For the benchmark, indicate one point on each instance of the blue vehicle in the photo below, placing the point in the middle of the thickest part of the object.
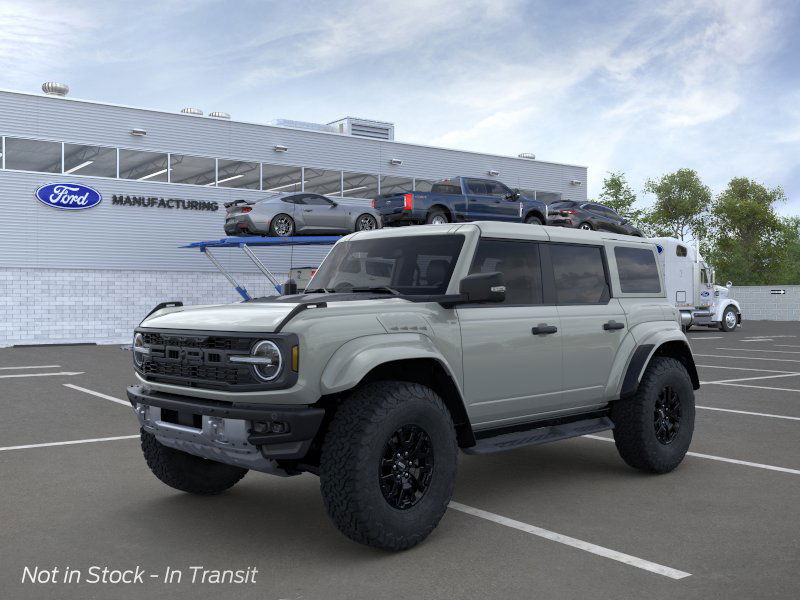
(460, 199)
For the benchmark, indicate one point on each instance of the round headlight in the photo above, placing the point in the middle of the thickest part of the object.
(138, 346)
(270, 366)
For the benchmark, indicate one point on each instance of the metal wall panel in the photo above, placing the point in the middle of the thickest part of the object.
(139, 238)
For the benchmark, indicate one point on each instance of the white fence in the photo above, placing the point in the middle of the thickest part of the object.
(768, 302)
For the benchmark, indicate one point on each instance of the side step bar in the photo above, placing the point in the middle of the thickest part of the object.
(539, 435)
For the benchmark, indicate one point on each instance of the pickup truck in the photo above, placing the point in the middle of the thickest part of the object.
(460, 199)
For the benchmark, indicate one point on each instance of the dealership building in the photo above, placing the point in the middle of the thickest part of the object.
(162, 179)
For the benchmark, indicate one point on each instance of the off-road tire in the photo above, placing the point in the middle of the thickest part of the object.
(533, 220)
(723, 325)
(351, 457)
(634, 427)
(187, 472)
(437, 214)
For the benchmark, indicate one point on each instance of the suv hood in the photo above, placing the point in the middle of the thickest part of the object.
(260, 317)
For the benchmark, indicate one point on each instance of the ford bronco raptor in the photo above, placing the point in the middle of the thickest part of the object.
(408, 345)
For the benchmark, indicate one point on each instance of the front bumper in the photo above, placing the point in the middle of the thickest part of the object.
(251, 436)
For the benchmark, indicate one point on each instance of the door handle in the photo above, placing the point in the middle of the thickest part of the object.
(611, 325)
(544, 329)
(308, 210)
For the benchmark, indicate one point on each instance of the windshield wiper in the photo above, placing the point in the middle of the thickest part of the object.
(381, 288)
(318, 291)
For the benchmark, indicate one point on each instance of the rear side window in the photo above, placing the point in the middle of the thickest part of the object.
(446, 186)
(519, 264)
(580, 276)
(638, 273)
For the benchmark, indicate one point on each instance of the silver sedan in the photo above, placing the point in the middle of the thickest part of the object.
(298, 213)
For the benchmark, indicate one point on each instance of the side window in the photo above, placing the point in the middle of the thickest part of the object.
(476, 186)
(294, 199)
(519, 264)
(316, 200)
(579, 274)
(680, 250)
(638, 273)
(495, 188)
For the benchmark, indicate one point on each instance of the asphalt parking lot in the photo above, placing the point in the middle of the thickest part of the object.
(565, 520)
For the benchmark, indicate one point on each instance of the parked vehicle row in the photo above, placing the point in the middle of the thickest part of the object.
(451, 200)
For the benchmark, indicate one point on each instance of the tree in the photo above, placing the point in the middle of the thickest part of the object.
(617, 194)
(681, 205)
(751, 243)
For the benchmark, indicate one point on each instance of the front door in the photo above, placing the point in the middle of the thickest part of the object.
(511, 351)
(322, 214)
(592, 323)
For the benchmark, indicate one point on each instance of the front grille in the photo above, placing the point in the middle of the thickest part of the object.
(201, 359)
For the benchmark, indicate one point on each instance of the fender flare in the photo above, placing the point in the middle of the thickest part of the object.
(662, 342)
(355, 359)
(723, 305)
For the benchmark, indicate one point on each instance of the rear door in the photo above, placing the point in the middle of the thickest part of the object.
(593, 323)
(511, 351)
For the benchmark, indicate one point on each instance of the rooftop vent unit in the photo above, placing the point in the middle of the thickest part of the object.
(51, 88)
(302, 125)
(219, 115)
(376, 130)
(527, 155)
(192, 111)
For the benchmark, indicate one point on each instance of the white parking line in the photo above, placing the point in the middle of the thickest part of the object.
(31, 367)
(761, 387)
(788, 345)
(749, 350)
(749, 357)
(748, 378)
(570, 541)
(70, 442)
(719, 458)
(98, 394)
(741, 368)
(41, 374)
(747, 412)
(759, 340)
(713, 337)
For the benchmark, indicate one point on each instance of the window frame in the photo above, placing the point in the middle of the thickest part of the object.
(551, 275)
(540, 244)
(660, 292)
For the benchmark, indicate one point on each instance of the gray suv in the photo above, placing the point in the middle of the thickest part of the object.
(408, 345)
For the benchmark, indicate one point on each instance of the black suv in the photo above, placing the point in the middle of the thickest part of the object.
(589, 215)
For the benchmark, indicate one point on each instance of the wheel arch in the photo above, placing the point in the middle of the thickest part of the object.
(723, 306)
(644, 353)
(404, 357)
(444, 208)
(535, 212)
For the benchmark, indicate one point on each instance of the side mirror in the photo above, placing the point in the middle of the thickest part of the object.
(483, 287)
(334, 204)
(729, 285)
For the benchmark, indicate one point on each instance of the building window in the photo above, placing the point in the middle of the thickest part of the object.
(359, 185)
(396, 185)
(97, 161)
(33, 155)
(279, 178)
(423, 185)
(546, 197)
(321, 181)
(194, 170)
(238, 174)
(144, 166)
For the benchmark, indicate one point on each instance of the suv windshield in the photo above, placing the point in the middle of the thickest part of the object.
(410, 265)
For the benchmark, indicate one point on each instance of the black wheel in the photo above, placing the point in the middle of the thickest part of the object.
(366, 222)
(653, 430)
(729, 320)
(388, 464)
(436, 216)
(586, 226)
(187, 472)
(281, 226)
(533, 220)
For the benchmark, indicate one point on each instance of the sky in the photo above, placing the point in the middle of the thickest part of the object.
(639, 87)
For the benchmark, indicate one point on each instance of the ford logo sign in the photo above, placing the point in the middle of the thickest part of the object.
(705, 294)
(68, 196)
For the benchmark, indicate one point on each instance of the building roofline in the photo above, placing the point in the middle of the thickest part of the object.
(339, 135)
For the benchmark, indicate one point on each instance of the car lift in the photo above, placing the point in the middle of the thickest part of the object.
(246, 242)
